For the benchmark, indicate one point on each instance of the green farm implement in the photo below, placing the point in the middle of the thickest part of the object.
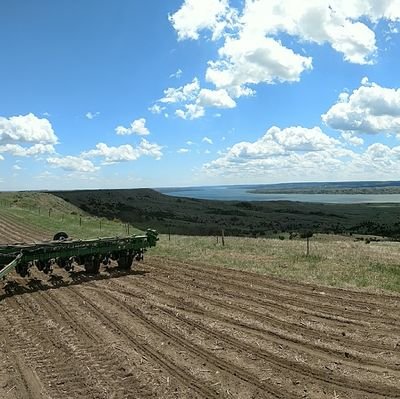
(67, 253)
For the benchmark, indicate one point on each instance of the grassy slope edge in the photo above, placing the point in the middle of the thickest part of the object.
(51, 214)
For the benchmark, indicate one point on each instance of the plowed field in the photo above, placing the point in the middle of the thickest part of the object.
(174, 330)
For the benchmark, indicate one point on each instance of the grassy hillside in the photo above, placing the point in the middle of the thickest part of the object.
(50, 214)
(148, 208)
(36, 201)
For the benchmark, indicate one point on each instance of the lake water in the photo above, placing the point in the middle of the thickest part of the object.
(238, 193)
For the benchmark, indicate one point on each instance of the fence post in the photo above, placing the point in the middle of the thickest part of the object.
(80, 221)
(223, 237)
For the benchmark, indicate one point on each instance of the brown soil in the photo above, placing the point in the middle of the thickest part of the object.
(169, 329)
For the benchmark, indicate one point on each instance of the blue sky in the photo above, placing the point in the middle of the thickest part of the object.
(101, 94)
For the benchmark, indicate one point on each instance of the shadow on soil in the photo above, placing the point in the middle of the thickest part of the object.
(12, 288)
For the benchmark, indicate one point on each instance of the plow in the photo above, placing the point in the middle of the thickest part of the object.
(66, 253)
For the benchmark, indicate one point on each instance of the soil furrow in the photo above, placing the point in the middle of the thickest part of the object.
(364, 300)
(37, 351)
(277, 335)
(263, 313)
(174, 370)
(196, 350)
(286, 366)
(284, 300)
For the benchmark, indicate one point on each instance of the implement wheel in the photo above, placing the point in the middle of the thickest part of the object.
(60, 236)
(92, 264)
(125, 260)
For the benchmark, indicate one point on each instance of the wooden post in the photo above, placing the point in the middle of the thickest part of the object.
(169, 233)
(223, 237)
(80, 221)
(308, 246)
(49, 212)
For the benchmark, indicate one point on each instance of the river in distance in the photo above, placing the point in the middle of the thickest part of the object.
(240, 193)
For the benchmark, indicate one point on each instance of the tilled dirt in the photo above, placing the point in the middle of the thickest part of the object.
(169, 329)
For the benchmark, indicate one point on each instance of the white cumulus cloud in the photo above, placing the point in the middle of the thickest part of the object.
(368, 109)
(20, 151)
(156, 109)
(183, 151)
(24, 129)
(124, 152)
(138, 127)
(215, 98)
(252, 51)
(195, 15)
(191, 111)
(184, 93)
(254, 60)
(70, 163)
(291, 152)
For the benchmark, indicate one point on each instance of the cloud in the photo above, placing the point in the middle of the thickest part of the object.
(156, 109)
(288, 151)
(1, 158)
(369, 109)
(351, 139)
(192, 100)
(252, 51)
(189, 142)
(195, 16)
(254, 60)
(17, 167)
(302, 154)
(74, 164)
(184, 93)
(124, 152)
(25, 129)
(183, 151)
(20, 151)
(177, 74)
(207, 140)
(92, 115)
(215, 98)
(137, 127)
(192, 111)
